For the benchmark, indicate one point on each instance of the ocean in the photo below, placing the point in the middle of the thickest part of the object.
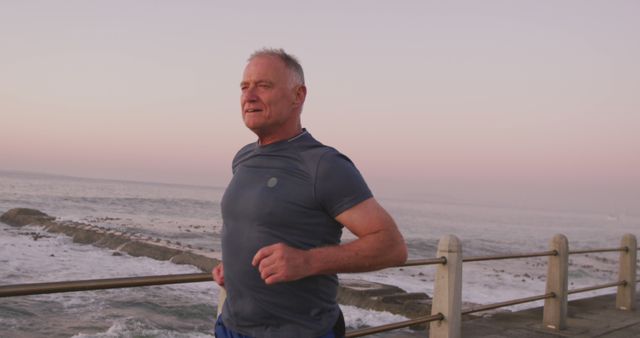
(191, 215)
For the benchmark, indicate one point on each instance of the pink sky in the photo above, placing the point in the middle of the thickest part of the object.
(418, 94)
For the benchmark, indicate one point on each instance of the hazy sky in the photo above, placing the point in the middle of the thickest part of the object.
(418, 93)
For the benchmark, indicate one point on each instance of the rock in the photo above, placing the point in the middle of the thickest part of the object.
(24, 216)
(87, 236)
(383, 297)
(204, 263)
(111, 241)
(151, 250)
(67, 229)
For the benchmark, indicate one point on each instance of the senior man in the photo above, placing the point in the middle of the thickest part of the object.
(283, 214)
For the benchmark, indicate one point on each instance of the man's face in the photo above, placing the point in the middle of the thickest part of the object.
(268, 99)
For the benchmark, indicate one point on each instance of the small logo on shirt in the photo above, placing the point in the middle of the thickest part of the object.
(272, 182)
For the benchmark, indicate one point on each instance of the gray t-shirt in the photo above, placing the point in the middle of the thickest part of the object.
(288, 192)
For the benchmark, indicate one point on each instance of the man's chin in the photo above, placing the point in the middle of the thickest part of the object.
(252, 123)
(256, 128)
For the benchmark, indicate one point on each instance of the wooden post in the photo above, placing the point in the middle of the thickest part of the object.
(222, 296)
(555, 309)
(626, 297)
(447, 293)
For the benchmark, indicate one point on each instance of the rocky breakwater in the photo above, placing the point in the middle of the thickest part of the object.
(360, 293)
(122, 242)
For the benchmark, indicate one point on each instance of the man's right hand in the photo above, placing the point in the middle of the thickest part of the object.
(218, 274)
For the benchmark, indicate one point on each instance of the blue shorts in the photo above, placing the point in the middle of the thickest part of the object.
(222, 331)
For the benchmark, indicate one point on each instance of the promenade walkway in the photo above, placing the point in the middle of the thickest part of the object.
(592, 317)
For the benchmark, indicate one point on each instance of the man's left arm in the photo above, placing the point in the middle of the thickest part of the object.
(379, 245)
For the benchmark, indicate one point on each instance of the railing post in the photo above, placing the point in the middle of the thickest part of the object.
(222, 296)
(626, 297)
(447, 293)
(555, 309)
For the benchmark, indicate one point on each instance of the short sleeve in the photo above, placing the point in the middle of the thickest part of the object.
(339, 185)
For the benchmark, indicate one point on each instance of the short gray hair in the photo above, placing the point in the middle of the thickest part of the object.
(290, 61)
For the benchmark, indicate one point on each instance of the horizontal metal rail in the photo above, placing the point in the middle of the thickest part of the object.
(573, 252)
(394, 326)
(597, 287)
(442, 260)
(100, 284)
(428, 261)
(508, 303)
(497, 257)
(113, 283)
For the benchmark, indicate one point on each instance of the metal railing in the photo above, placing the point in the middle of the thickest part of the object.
(597, 287)
(555, 312)
(508, 303)
(513, 256)
(429, 261)
(100, 284)
(446, 304)
(394, 326)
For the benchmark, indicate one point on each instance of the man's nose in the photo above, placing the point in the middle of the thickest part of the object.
(249, 94)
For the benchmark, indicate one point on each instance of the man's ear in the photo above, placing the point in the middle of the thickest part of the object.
(301, 94)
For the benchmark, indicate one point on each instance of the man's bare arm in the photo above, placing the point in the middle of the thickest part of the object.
(379, 245)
